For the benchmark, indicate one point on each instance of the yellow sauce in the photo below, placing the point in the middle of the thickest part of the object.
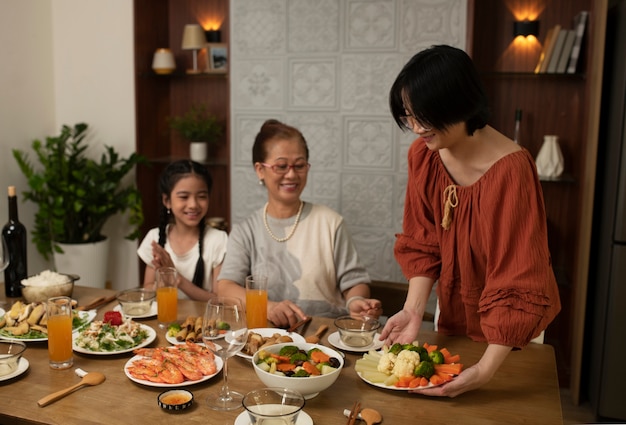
(174, 399)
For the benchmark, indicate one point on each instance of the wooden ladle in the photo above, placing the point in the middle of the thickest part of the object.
(92, 378)
(315, 338)
(371, 416)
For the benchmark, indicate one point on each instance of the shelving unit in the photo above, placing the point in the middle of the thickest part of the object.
(160, 23)
(563, 104)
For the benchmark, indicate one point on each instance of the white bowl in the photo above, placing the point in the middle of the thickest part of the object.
(41, 291)
(310, 386)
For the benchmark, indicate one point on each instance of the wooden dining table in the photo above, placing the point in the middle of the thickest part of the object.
(524, 390)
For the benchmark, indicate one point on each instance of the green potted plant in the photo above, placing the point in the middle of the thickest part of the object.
(76, 195)
(200, 128)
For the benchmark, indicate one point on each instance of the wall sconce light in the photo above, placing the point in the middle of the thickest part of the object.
(525, 28)
(213, 36)
(193, 39)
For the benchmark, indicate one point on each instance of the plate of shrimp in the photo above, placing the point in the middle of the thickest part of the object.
(173, 366)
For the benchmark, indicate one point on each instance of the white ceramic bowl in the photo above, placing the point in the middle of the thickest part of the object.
(41, 293)
(357, 332)
(309, 387)
(10, 354)
(136, 301)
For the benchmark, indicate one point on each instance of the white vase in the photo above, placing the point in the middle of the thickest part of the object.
(89, 261)
(198, 151)
(550, 158)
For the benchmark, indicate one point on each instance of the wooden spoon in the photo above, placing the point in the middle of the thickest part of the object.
(315, 338)
(371, 416)
(92, 378)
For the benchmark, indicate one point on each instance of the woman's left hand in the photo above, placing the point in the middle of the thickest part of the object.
(366, 307)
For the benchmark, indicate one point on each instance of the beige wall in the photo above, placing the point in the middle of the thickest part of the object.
(67, 61)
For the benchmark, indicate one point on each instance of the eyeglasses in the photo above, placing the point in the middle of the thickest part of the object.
(300, 167)
(409, 121)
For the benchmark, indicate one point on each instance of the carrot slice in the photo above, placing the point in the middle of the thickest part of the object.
(423, 382)
(431, 348)
(310, 368)
(450, 369)
(436, 380)
(319, 356)
(404, 381)
(281, 359)
(445, 377)
(283, 367)
(453, 359)
(415, 382)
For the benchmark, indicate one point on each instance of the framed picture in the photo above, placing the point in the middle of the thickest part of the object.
(217, 57)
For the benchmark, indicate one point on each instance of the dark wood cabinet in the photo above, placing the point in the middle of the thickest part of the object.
(160, 23)
(566, 105)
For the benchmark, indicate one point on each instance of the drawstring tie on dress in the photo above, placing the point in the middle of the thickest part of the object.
(450, 202)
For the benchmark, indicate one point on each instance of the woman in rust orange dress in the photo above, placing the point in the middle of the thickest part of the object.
(474, 219)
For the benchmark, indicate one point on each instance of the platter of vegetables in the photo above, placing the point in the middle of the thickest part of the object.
(408, 366)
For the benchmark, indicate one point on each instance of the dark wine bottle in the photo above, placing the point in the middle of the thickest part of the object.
(14, 234)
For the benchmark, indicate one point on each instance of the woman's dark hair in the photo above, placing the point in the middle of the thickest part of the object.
(272, 130)
(441, 87)
(168, 179)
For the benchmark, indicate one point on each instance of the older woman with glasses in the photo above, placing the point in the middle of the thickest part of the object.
(474, 219)
(304, 249)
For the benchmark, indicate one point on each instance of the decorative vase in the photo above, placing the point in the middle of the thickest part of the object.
(550, 158)
(198, 151)
(89, 261)
(163, 61)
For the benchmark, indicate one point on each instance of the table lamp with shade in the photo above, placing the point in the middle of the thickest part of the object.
(193, 39)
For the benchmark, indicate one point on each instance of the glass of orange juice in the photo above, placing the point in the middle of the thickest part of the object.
(256, 301)
(59, 313)
(167, 296)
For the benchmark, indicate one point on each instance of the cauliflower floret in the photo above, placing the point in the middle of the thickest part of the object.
(386, 362)
(405, 363)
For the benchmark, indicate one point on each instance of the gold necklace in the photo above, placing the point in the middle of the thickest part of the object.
(293, 228)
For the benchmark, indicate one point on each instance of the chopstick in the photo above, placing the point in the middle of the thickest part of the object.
(300, 323)
(97, 303)
(354, 413)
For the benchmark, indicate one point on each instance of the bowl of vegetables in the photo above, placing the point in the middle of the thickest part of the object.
(303, 367)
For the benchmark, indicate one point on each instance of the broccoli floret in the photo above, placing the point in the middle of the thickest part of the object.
(410, 347)
(301, 373)
(223, 326)
(298, 358)
(425, 369)
(423, 353)
(436, 356)
(288, 350)
(396, 348)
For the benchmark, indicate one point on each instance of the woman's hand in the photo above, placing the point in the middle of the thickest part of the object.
(160, 257)
(402, 327)
(365, 307)
(284, 314)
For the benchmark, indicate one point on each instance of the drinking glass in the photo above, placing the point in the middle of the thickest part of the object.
(59, 313)
(225, 332)
(276, 406)
(256, 301)
(167, 296)
(4, 254)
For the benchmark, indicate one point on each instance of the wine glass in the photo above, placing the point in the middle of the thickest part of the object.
(225, 332)
(4, 254)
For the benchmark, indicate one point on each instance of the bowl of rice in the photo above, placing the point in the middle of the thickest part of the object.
(47, 284)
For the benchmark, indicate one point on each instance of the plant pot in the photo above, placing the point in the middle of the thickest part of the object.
(198, 151)
(88, 260)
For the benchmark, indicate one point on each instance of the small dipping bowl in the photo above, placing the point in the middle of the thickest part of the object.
(357, 332)
(273, 405)
(175, 399)
(10, 354)
(136, 301)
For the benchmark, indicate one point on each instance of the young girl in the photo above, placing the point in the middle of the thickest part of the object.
(183, 239)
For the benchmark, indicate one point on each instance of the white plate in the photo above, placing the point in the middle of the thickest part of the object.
(22, 366)
(151, 337)
(267, 332)
(219, 363)
(89, 315)
(392, 387)
(172, 340)
(2, 312)
(303, 419)
(336, 341)
(151, 313)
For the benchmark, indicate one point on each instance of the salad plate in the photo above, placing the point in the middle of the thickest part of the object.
(151, 313)
(268, 332)
(22, 366)
(303, 419)
(219, 364)
(83, 319)
(335, 341)
(151, 337)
